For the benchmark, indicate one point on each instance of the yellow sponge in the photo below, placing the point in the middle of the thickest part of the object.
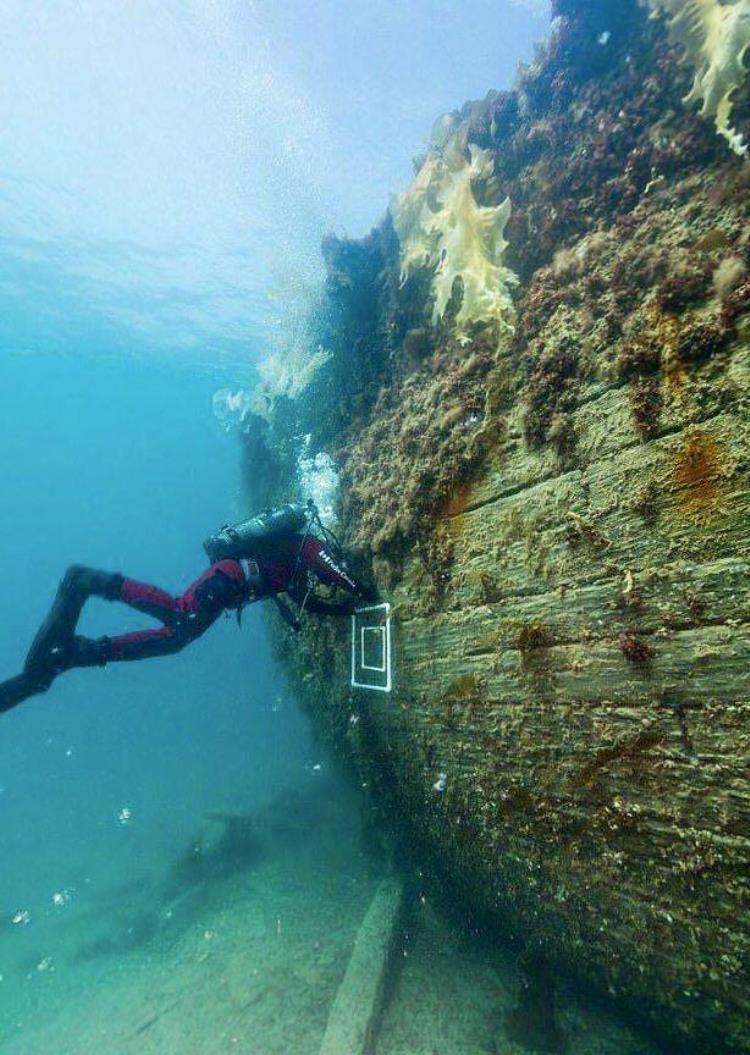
(715, 37)
(439, 224)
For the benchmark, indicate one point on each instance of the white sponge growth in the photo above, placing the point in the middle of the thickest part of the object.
(715, 37)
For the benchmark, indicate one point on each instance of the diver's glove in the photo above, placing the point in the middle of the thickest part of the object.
(370, 594)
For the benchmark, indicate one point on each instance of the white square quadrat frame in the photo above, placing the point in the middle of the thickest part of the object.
(360, 641)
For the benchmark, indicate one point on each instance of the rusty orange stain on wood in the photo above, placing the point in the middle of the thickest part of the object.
(698, 472)
(457, 501)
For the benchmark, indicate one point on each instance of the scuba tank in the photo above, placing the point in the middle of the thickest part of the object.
(247, 538)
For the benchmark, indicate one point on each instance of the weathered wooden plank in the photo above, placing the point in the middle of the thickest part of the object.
(355, 1014)
(704, 663)
(569, 728)
(677, 596)
(529, 543)
(604, 426)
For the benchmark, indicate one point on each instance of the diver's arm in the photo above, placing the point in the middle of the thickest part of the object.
(318, 559)
(317, 607)
(331, 570)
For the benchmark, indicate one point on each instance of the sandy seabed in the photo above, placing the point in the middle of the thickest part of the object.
(250, 962)
(219, 959)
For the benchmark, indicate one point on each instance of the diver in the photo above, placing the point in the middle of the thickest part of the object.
(286, 550)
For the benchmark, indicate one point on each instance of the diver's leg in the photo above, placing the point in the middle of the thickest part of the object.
(147, 644)
(151, 600)
(221, 586)
(185, 618)
(56, 648)
(47, 656)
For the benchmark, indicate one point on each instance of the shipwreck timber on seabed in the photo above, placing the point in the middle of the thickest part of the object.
(535, 388)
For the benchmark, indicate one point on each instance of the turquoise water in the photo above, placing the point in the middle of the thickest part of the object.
(183, 869)
(103, 463)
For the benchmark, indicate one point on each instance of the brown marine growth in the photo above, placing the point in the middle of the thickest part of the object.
(581, 812)
(646, 405)
(635, 649)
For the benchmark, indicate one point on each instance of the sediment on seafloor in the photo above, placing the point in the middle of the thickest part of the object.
(358, 1007)
(552, 491)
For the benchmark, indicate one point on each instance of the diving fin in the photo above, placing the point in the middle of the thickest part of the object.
(55, 647)
(16, 690)
(47, 655)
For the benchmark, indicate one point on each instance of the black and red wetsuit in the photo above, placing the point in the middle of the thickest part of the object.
(288, 565)
(226, 585)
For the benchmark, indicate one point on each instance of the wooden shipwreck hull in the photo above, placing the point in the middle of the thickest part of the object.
(559, 513)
